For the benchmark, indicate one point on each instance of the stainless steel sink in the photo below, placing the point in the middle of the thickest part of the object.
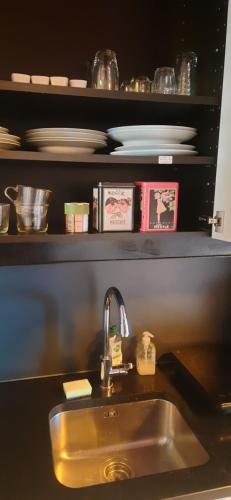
(110, 443)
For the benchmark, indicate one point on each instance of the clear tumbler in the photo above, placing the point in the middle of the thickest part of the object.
(164, 81)
(105, 74)
(31, 218)
(4, 217)
(186, 71)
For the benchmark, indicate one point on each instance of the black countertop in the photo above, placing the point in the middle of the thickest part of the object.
(26, 469)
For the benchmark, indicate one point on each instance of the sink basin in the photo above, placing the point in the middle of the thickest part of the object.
(121, 441)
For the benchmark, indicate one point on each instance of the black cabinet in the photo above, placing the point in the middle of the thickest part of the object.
(144, 35)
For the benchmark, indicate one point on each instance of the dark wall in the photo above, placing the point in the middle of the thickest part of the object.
(51, 316)
(52, 38)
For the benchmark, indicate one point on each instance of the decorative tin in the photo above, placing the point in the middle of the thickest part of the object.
(113, 206)
(159, 205)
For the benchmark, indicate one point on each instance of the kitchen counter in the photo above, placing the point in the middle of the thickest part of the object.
(26, 471)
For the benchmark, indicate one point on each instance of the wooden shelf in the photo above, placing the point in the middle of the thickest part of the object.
(88, 93)
(104, 159)
(53, 248)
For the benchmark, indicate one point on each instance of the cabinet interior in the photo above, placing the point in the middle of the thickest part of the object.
(144, 35)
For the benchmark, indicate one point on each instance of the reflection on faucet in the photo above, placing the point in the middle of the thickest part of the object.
(106, 362)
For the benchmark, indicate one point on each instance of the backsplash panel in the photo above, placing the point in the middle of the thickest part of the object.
(51, 316)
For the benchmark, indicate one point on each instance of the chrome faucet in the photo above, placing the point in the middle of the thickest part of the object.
(107, 371)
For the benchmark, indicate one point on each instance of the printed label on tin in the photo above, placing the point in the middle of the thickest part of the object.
(162, 208)
(165, 159)
(118, 209)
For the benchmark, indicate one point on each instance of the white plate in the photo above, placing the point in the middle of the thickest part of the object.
(152, 145)
(54, 131)
(8, 145)
(154, 152)
(4, 130)
(9, 137)
(66, 150)
(64, 143)
(73, 136)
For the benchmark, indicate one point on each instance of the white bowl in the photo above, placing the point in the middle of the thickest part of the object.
(40, 79)
(20, 78)
(59, 80)
(159, 134)
(78, 83)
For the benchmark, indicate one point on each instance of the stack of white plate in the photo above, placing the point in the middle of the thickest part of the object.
(66, 140)
(149, 140)
(8, 141)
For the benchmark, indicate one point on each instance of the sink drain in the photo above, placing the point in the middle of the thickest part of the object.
(117, 470)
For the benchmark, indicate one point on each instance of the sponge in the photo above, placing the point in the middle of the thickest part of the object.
(77, 388)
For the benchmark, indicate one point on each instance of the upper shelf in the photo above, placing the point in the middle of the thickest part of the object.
(88, 93)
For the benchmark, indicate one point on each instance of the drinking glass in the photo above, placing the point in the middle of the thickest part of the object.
(186, 70)
(4, 217)
(140, 84)
(31, 218)
(125, 86)
(164, 81)
(105, 73)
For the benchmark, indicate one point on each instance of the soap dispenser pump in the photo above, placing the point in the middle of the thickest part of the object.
(146, 355)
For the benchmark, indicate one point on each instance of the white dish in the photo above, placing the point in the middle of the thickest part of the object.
(78, 143)
(61, 135)
(161, 135)
(9, 137)
(4, 130)
(59, 80)
(148, 127)
(8, 145)
(154, 152)
(66, 150)
(40, 79)
(78, 83)
(153, 145)
(20, 78)
(64, 131)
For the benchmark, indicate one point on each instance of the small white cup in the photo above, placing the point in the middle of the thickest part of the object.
(40, 79)
(59, 80)
(78, 83)
(20, 78)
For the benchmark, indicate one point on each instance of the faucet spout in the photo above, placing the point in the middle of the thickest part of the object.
(107, 371)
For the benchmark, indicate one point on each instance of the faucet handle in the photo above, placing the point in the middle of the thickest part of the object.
(121, 369)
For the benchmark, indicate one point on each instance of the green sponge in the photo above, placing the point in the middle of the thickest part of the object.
(77, 388)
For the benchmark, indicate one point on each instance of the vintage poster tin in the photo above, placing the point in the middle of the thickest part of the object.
(158, 205)
(113, 206)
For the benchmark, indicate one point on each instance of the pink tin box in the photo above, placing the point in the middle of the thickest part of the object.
(159, 205)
